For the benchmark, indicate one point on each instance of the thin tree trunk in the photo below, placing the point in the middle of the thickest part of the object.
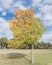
(32, 55)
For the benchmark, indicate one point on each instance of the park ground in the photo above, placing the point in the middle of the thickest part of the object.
(23, 57)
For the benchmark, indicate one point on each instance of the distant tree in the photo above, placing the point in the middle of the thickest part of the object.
(26, 28)
(48, 45)
(43, 45)
(3, 42)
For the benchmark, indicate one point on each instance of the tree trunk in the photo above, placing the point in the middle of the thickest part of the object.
(32, 55)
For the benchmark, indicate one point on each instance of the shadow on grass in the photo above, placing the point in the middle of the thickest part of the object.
(15, 55)
(27, 59)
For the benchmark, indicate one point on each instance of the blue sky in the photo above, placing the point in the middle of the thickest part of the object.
(43, 10)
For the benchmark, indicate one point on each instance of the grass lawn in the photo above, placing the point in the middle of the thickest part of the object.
(41, 57)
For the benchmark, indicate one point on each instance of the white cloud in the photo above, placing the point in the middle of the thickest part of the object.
(50, 32)
(47, 23)
(10, 5)
(46, 38)
(1, 9)
(47, 2)
(4, 29)
(3, 13)
(19, 5)
(46, 9)
(35, 2)
(47, 19)
(39, 15)
(45, 14)
(6, 4)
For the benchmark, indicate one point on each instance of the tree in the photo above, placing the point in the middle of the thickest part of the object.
(3, 42)
(26, 28)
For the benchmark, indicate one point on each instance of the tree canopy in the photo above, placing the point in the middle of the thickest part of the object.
(26, 28)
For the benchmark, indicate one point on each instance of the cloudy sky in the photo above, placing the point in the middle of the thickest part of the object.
(43, 9)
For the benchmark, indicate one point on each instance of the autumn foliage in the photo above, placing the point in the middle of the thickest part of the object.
(26, 28)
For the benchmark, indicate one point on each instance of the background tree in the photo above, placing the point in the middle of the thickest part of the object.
(3, 42)
(26, 28)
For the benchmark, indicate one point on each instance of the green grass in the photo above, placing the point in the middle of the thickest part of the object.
(41, 57)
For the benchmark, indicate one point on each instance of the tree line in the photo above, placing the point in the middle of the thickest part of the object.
(8, 43)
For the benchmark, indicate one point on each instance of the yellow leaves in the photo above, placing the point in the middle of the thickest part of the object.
(19, 11)
(29, 22)
(24, 15)
(25, 27)
(15, 20)
(14, 43)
